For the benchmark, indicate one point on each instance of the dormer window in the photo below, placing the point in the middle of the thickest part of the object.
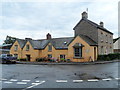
(65, 43)
(27, 47)
(16, 48)
(49, 48)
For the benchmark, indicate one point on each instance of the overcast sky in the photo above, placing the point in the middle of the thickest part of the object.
(36, 19)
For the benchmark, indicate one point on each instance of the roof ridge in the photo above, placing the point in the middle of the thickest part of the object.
(54, 38)
(87, 37)
(91, 39)
(62, 37)
(114, 40)
(20, 39)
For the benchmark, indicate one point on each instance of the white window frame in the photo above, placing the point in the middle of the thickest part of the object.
(62, 56)
(27, 47)
(15, 47)
(49, 48)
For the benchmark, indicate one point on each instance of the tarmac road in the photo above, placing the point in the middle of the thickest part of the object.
(60, 76)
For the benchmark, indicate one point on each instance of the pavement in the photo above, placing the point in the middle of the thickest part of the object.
(67, 63)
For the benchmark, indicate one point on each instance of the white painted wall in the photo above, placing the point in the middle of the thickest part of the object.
(117, 44)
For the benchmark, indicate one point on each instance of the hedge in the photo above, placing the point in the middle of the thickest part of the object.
(22, 59)
(108, 57)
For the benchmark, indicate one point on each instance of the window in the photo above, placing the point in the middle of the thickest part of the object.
(27, 47)
(16, 55)
(101, 41)
(49, 47)
(106, 50)
(78, 52)
(101, 32)
(16, 48)
(49, 55)
(102, 50)
(62, 56)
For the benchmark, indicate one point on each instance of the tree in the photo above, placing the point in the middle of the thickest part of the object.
(9, 40)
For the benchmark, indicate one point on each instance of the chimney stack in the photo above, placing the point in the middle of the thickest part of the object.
(84, 15)
(101, 24)
(48, 36)
(28, 38)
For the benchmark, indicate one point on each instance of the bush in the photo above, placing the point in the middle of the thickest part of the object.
(40, 59)
(62, 60)
(108, 57)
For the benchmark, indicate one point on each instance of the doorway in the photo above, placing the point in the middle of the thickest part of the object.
(94, 53)
(28, 57)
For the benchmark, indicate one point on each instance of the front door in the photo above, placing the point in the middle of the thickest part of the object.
(94, 53)
(28, 57)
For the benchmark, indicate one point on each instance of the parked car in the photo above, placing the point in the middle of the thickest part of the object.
(7, 59)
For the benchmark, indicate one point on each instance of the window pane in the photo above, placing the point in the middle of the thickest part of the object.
(27, 47)
(62, 56)
(78, 52)
(16, 47)
(15, 55)
(49, 47)
(49, 55)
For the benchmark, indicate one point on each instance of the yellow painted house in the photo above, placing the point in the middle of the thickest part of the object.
(90, 39)
(77, 49)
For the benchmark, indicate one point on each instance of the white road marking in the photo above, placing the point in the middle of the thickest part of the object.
(61, 80)
(93, 80)
(37, 81)
(21, 82)
(117, 78)
(26, 80)
(108, 79)
(76, 81)
(13, 80)
(3, 79)
(8, 82)
(34, 84)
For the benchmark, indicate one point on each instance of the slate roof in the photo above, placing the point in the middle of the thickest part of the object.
(114, 40)
(21, 42)
(61, 43)
(58, 43)
(39, 44)
(93, 24)
(88, 40)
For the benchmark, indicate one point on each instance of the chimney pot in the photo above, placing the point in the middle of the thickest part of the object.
(101, 24)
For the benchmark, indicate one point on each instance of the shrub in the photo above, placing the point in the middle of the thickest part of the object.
(22, 59)
(62, 60)
(40, 59)
(53, 59)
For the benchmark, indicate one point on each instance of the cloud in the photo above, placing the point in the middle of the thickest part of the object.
(59, 0)
(36, 19)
